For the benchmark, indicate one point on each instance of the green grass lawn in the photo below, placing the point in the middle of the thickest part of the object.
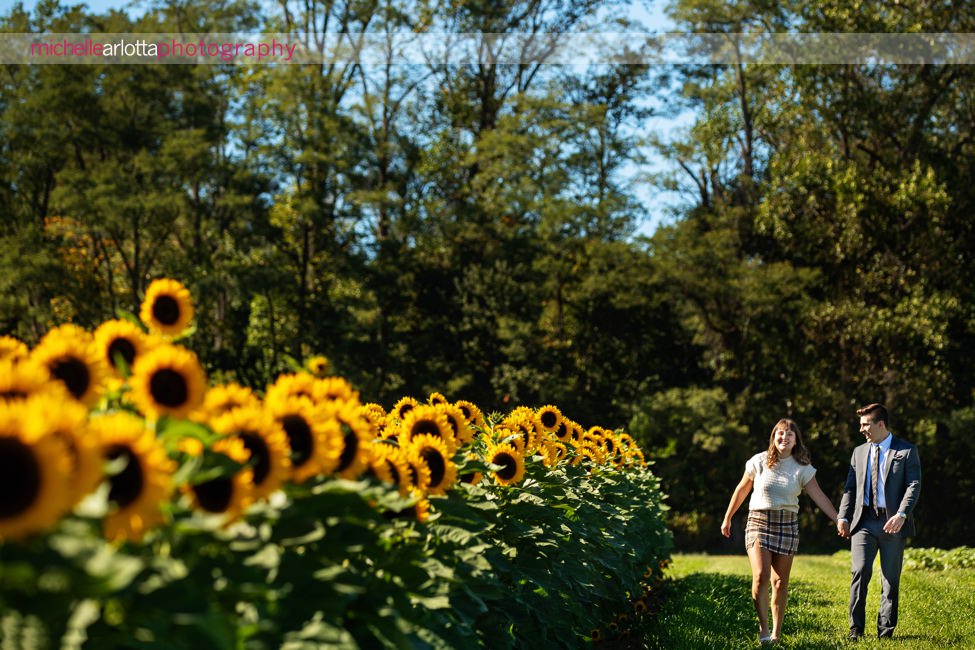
(708, 605)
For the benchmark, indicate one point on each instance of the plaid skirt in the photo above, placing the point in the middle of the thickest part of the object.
(776, 531)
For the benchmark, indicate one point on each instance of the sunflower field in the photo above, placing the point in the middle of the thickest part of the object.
(142, 506)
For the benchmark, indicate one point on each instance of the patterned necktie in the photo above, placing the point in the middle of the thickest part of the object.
(874, 472)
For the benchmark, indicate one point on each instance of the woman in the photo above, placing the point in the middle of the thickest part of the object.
(772, 532)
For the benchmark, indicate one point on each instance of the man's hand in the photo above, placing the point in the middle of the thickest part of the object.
(894, 525)
(843, 528)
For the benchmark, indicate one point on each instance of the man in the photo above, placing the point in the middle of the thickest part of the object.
(881, 491)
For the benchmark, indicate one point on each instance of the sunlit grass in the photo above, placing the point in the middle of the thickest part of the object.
(708, 605)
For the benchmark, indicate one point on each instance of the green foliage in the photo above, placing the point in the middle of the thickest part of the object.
(333, 564)
(936, 559)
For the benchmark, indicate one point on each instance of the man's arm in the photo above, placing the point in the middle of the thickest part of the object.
(847, 503)
(912, 477)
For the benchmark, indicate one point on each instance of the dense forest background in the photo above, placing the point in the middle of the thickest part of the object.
(473, 229)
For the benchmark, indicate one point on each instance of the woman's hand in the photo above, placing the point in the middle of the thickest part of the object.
(726, 527)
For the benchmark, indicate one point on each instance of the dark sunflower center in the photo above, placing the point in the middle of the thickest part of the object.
(610, 446)
(466, 411)
(20, 478)
(393, 472)
(74, 373)
(425, 426)
(414, 475)
(12, 395)
(453, 424)
(437, 465)
(166, 310)
(214, 495)
(260, 455)
(403, 410)
(349, 448)
(300, 438)
(509, 466)
(549, 419)
(169, 388)
(126, 486)
(562, 432)
(121, 347)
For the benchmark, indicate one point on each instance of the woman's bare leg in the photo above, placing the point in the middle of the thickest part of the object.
(761, 561)
(781, 568)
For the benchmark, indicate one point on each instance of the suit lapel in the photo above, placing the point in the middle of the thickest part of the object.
(889, 458)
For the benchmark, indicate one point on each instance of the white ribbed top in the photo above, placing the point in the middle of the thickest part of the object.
(778, 487)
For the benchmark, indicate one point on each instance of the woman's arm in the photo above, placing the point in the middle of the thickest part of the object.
(737, 497)
(816, 494)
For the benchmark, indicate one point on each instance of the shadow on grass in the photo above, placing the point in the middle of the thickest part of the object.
(708, 610)
(704, 610)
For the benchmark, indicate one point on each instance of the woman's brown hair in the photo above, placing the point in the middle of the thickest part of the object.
(799, 452)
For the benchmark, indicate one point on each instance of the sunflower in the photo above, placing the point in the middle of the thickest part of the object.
(609, 443)
(556, 453)
(472, 414)
(21, 379)
(471, 478)
(145, 481)
(318, 366)
(13, 349)
(463, 434)
(428, 420)
(224, 398)
(389, 465)
(521, 423)
(403, 406)
(68, 420)
(34, 472)
(640, 606)
(228, 496)
(547, 419)
(68, 354)
(392, 430)
(315, 438)
(168, 308)
(587, 456)
(575, 432)
(563, 432)
(167, 380)
(636, 456)
(266, 442)
(375, 417)
(334, 389)
(433, 451)
(626, 440)
(436, 398)
(287, 387)
(511, 462)
(421, 509)
(117, 340)
(419, 471)
(356, 439)
(513, 437)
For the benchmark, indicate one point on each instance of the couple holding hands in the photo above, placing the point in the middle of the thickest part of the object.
(881, 490)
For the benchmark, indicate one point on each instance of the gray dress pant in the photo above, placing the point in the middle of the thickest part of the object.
(868, 538)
